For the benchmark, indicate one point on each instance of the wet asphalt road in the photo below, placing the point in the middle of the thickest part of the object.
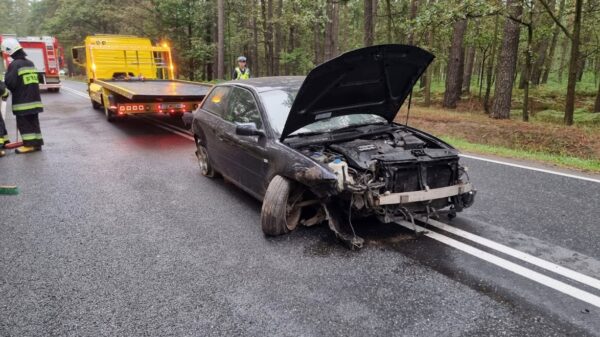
(115, 233)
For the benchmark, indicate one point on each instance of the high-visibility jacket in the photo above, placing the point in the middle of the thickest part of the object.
(242, 75)
(22, 80)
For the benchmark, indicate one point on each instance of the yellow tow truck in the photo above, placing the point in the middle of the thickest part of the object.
(127, 75)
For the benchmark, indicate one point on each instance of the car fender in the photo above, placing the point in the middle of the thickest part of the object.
(297, 167)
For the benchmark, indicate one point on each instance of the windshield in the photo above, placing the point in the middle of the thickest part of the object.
(278, 103)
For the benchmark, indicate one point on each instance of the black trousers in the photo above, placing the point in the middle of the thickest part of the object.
(29, 127)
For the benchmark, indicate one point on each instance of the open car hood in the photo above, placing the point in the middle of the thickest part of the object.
(372, 80)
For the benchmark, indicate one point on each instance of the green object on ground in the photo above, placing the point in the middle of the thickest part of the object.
(9, 190)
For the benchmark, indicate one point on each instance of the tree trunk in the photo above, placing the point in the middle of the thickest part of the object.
(414, 7)
(332, 29)
(540, 50)
(390, 20)
(507, 62)
(580, 66)
(563, 59)
(278, 38)
(267, 15)
(573, 64)
(220, 39)
(255, 63)
(528, 67)
(368, 23)
(555, 33)
(597, 104)
(490, 67)
(468, 73)
(455, 65)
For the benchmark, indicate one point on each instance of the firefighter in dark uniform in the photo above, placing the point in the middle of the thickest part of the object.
(22, 80)
(3, 133)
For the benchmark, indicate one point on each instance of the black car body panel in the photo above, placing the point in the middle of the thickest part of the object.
(374, 80)
(384, 169)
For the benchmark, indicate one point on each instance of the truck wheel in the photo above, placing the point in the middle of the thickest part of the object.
(279, 214)
(110, 116)
(204, 161)
(96, 105)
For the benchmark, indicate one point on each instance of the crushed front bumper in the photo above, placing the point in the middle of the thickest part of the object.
(424, 195)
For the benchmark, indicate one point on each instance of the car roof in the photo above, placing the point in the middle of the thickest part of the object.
(262, 84)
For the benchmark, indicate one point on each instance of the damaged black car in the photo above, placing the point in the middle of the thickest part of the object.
(325, 147)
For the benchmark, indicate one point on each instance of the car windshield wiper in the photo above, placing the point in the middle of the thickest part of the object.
(354, 126)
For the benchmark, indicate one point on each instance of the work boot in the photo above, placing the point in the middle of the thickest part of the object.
(27, 149)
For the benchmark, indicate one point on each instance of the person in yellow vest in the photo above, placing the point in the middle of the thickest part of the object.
(241, 72)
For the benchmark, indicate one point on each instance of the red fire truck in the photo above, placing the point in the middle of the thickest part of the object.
(47, 55)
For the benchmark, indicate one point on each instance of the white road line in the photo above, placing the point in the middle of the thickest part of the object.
(510, 266)
(566, 272)
(179, 133)
(574, 176)
(174, 127)
(76, 92)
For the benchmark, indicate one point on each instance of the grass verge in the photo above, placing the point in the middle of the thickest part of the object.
(559, 160)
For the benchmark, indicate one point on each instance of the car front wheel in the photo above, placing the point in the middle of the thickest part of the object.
(280, 211)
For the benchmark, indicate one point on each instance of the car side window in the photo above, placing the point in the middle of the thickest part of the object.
(243, 108)
(216, 102)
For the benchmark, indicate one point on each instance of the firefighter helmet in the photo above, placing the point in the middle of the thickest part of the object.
(10, 45)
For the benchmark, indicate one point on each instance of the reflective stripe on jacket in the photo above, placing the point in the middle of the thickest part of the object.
(242, 75)
(22, 81)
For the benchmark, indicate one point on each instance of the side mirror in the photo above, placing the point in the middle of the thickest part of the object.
(248, 129)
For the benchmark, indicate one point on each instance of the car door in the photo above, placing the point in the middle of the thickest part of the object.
(248, 163)
(213, 119)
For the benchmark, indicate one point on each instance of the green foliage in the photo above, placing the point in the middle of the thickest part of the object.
(556, 159)
(298, 59)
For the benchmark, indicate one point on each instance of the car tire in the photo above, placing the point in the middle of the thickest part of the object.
(204, 163)
(279, 215)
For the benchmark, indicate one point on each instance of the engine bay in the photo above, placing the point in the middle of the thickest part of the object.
(389, 162)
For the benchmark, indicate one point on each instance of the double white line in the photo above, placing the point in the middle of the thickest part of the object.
(471, 250)
(511, 266)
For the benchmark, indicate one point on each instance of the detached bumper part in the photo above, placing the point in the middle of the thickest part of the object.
(425, 195)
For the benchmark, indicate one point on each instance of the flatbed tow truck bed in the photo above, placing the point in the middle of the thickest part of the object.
(136, 90)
